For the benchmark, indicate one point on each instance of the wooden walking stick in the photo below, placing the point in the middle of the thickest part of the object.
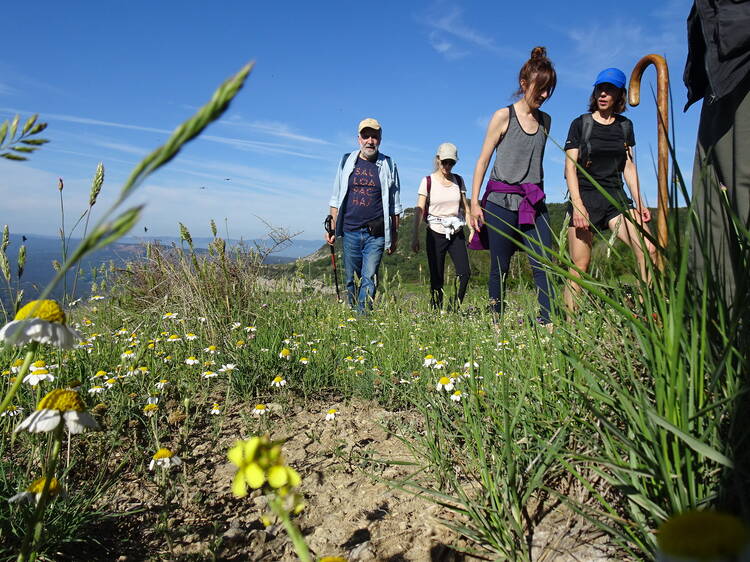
(662, 103)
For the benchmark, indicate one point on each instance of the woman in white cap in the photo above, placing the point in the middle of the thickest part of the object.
(602, 142)
(442, 204)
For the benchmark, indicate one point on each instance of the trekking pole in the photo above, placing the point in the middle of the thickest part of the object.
(328, 225)
(662, 114)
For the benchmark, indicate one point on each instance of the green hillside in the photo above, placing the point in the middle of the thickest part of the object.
(412, 268)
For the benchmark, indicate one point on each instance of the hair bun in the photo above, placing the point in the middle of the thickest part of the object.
(538, 53)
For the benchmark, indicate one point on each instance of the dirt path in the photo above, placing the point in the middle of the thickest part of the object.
(348, 513)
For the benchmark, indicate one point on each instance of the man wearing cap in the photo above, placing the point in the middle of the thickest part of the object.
(365, 208)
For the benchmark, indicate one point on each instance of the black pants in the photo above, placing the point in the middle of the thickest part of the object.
(437, 246)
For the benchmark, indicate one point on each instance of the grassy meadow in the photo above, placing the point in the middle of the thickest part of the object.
(204, 381)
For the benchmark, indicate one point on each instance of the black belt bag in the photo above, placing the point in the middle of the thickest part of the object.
(376, 227)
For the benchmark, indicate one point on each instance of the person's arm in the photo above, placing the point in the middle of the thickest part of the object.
(418, 212)
(395, 221)
(631, 179)
(495, 131)
(580, 214)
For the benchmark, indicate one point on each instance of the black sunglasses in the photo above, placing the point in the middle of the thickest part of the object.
(448, 162)
(372, 135)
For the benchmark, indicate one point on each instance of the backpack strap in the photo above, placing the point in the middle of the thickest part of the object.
(584, 147)
(627, 130)
(344, 159)
(427, 201)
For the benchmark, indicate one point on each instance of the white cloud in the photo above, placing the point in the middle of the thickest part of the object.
(445, 20)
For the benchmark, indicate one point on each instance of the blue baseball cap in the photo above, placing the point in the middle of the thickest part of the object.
(613, 76)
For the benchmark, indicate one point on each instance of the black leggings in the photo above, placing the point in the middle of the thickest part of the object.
(437, 245)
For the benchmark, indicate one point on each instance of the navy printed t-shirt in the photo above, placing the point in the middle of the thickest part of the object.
(364, 199)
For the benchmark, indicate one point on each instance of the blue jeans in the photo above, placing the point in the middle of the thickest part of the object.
(362, 255)
(502, 249)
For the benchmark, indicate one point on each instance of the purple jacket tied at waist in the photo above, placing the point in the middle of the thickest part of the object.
(532, 194)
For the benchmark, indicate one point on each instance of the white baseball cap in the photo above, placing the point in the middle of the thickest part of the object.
(447, 151)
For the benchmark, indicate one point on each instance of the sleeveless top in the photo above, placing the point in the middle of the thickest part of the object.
(518, 158)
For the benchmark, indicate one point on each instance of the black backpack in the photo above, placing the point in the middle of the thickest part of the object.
(587, 125)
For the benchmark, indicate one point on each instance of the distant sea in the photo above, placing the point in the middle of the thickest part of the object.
(42, 251)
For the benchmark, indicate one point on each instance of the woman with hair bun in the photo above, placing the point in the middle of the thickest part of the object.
(601, 142)
(513, 205)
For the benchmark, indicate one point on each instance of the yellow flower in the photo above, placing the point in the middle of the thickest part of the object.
(285, 354)
(445, 383)
(260, 464)
(703, 535)
(40, 321)
(259, 410)
(55, 408)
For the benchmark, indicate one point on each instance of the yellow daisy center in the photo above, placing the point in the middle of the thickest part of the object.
(260, 407)
(444, 380)
(62, 400)
(150, 407)
(37, 486)
(47, 310)
(163, 454)
(38, 364)
(333, 411)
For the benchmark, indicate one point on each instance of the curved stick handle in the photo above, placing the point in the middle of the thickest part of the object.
(662, 102)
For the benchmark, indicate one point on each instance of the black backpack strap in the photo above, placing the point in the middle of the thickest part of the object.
(584, 147)
(343, 160)
(627, 130)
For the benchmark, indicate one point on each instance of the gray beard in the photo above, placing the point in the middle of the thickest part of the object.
(373, 153)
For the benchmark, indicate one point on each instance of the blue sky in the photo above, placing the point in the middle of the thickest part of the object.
(112, 79)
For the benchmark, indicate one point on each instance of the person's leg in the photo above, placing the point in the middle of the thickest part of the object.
(352, 244)
(372, 253)
(721, 172)
(539, 241)
(460, 256)
(435, 246)
(501, 250)
(579, 247)
(642, 247)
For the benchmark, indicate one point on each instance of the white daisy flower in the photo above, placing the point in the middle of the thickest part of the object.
(209, 374)
(38, 376)
(331, 414)
(162, 383)
(96, 298)
(191, 336)
(59, 406)
(260, 410)
(429, 360)
(169, 316)
(445, 383)
(215, 409)
(456, 396)
(96, 389)
(192, 361)
(211, 349)
(11, 411)
(41, 321)
(164, 458)
(278, 381)
(236, 325)
(285, 354)
(34, 492)
(228, 368)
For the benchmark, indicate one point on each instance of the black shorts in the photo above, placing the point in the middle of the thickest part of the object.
(600, 209)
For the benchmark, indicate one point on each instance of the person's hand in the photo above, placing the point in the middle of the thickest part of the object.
(415, 245)
(580, 217)
(471, 234)
(329, 238)
(476, 219)
(645, 214)
(394, 244)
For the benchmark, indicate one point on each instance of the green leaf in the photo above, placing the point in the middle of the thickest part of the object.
(14, 127)
(29, 123)
(35, 142)
(11, 156)
(697, 446)
(3, 131)
(38, 128)
(24, 149)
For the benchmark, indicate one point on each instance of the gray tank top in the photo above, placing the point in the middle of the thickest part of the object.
(518, 158)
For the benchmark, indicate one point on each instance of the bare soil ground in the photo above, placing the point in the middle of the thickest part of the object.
(351, 511)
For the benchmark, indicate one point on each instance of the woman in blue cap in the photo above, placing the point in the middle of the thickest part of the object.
(602, 142)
